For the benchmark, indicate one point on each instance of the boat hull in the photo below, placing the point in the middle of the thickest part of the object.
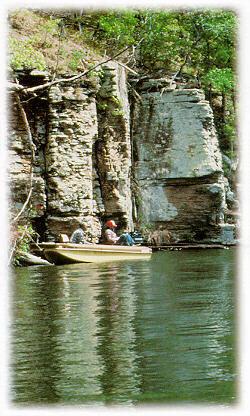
(93, 253)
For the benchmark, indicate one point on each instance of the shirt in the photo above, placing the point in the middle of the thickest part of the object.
(77, 237)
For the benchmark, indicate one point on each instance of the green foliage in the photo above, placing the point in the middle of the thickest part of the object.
(117, 112)
(102, 105)
(207, 36)
(47, 32)
(51, 26)
(198, 43)
(23, 55)
(221, 80)
(119, 27)
(97, 72)
(75, 62)
(28, 233)
(115, 100)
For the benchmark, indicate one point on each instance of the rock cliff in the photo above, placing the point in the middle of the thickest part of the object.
(177, 164)
(150, 161)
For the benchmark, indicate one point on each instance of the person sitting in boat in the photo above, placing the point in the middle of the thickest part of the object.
(125, 239)
(78, 236)
(110, 236)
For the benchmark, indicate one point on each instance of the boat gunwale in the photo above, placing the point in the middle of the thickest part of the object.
(96, 248)
(60, 255)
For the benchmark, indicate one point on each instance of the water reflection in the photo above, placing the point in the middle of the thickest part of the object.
(127, 332)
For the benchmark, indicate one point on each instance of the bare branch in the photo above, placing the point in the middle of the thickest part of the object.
(185, 60)
(15, 244)
(75, 77)
(137, 96)
(181, 67)
(129, 69)
(32, 148)
(14, 87)
(58, 51)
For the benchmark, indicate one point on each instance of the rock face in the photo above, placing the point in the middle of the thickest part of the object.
(157, 167)
(177, 165)
(72, 131)
(83, 156)
(20, 158)
(113, 147)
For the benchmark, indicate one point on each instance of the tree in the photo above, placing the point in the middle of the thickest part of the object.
(199, 44)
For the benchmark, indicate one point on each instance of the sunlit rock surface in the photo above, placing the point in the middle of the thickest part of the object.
(151, 161)
(178, 165)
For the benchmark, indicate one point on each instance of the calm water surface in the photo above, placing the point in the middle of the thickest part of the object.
(132, 332)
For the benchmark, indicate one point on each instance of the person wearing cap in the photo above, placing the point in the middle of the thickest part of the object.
(110, 237)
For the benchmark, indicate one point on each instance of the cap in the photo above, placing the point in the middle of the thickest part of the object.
(111, 224)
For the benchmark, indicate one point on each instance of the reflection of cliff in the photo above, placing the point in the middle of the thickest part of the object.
(73, 335)
(157, 166)
(126, 333)
(36, 365)
(117, 341)
(184, 328)
(55, 344)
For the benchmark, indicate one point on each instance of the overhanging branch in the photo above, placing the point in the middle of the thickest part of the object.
(19, 88)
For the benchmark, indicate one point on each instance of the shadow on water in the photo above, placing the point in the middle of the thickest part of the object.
(132, 332)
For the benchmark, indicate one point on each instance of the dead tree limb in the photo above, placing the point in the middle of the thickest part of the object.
(19, 88)
(74, 78)
(32, 148)
(181, 67)
(15, 244)
(187, 56)
(128, 68)
(14, 87)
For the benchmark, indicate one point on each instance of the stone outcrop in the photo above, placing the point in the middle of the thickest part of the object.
(20, 157)
(72, 131)
(177, 164)
(113, 147)
(83, 162)
(152, 163)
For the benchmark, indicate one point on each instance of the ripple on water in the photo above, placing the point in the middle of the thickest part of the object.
(160, 331)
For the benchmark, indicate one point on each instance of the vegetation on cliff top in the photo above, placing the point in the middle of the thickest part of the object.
(188, 45)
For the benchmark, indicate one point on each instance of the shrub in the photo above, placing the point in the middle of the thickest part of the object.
(23, 55)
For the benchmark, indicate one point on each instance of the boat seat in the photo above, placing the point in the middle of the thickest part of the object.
(63, 238)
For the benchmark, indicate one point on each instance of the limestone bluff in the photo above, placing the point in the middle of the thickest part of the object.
(142, 152)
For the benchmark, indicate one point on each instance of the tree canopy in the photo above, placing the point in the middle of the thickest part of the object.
(198, 43)
(195, 43)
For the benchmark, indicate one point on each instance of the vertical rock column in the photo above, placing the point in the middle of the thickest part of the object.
(72, 130)
(178, 167)
(113, 147)
(19, 166)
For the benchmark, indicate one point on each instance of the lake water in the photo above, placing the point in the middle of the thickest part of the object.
(129, 333)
